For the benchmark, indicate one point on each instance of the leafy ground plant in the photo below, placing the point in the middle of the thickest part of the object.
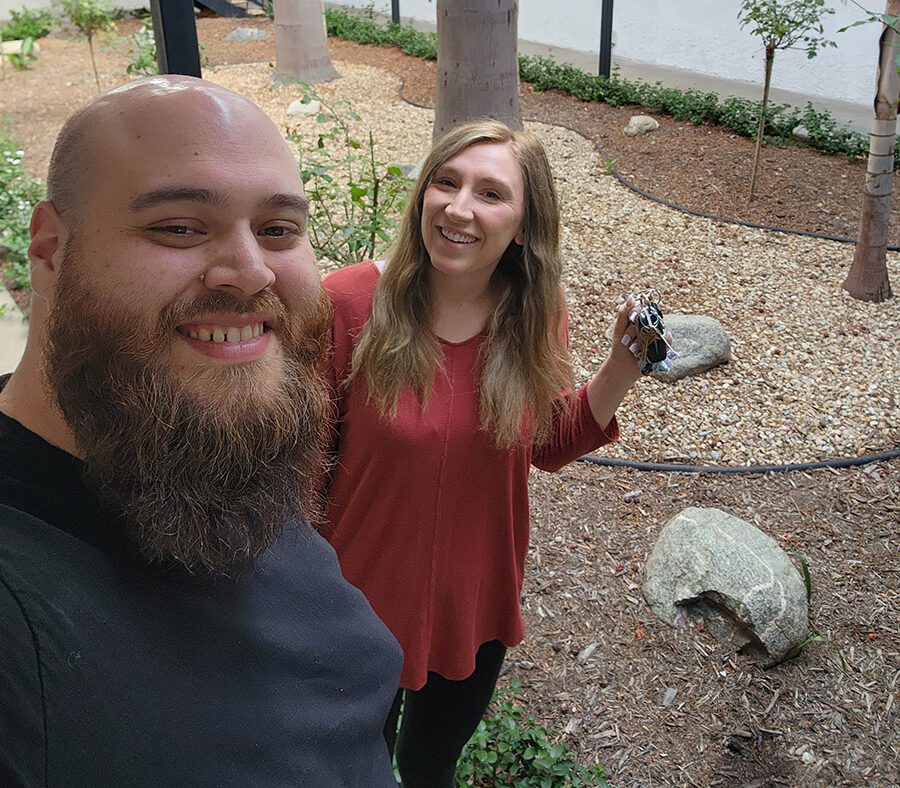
(25, 56)
(27, 23)
(814, 637)
(508, 748)
(19, 193)
(355, 198)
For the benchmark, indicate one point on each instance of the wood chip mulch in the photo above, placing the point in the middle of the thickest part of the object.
(657, 705)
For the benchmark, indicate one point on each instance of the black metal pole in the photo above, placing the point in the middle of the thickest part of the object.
(175, 32)
(395, 11)
(606, 17)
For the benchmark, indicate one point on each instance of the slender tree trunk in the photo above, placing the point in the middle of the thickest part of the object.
(301, 44)
(868, 276)
(94, 62)
(477, 63)
(761, 126)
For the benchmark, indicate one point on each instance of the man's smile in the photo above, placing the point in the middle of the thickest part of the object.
(224, 333)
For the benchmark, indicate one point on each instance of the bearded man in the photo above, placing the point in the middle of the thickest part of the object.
(167, 616)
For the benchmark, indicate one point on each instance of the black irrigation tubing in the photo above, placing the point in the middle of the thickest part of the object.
(843, 462)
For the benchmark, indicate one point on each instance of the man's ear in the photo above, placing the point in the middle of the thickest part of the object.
(48, 236)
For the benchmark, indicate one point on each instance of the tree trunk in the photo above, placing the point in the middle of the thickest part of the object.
(301, 44)
(868, 276)
(477, 63)
(761, 126)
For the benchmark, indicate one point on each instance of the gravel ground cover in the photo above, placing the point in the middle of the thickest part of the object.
(814, 374)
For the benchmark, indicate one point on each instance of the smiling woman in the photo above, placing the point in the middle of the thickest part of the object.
(451, 377)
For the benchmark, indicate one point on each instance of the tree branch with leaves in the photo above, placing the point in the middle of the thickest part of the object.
(796, 24)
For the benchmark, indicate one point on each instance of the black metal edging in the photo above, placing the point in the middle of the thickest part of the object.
(843, 462)
(753, 225)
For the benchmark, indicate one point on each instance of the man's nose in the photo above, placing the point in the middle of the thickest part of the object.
(240, 263)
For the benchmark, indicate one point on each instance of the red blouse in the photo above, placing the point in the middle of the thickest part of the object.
(428, 517)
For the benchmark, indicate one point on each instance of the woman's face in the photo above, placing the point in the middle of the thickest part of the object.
(473, 208)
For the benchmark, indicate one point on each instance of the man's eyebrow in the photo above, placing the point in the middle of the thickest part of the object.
(296, 202)
(176, 194)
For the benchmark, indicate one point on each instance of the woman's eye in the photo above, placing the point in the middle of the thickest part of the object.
(491, 195)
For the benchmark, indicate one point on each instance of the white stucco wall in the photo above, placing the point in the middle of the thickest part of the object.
(700, 36)
(17, 5)
(695, 35)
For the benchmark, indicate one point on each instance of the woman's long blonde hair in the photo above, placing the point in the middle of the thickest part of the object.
(525, 365)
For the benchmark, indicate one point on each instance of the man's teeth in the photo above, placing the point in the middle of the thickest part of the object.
(227, 333)
(456, 237)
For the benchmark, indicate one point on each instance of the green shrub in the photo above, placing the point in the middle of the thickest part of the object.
(27, 23)
(508, 748)
(365, 30)
(19, 193)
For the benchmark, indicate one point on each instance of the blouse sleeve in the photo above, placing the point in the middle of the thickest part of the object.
(573, 433)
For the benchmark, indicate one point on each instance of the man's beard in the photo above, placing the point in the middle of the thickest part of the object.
(203, 465)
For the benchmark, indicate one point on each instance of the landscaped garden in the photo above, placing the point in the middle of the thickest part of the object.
(813, 375)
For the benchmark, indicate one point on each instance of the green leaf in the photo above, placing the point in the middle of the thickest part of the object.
(804, 569)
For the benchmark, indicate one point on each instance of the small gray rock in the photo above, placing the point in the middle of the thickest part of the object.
(640, 124)
(670, 696)
(800, 132)
(700, 342)
(247, 34)
(15, 48)
(299, 107)
(713, 568)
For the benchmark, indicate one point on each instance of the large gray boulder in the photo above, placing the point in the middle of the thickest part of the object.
(712, 568)
(700, 342)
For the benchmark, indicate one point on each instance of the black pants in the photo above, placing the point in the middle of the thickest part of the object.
(439, 719)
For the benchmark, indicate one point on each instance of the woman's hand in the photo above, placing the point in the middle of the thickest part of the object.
(621, 369)
(623, 360)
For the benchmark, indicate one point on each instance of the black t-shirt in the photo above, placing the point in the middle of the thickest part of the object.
(116, 673)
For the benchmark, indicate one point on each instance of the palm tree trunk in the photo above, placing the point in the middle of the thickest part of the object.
(761, 126)
(477, 63)
(868, 276)
(301, 45)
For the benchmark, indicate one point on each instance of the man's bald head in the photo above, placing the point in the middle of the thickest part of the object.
(118, 119)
